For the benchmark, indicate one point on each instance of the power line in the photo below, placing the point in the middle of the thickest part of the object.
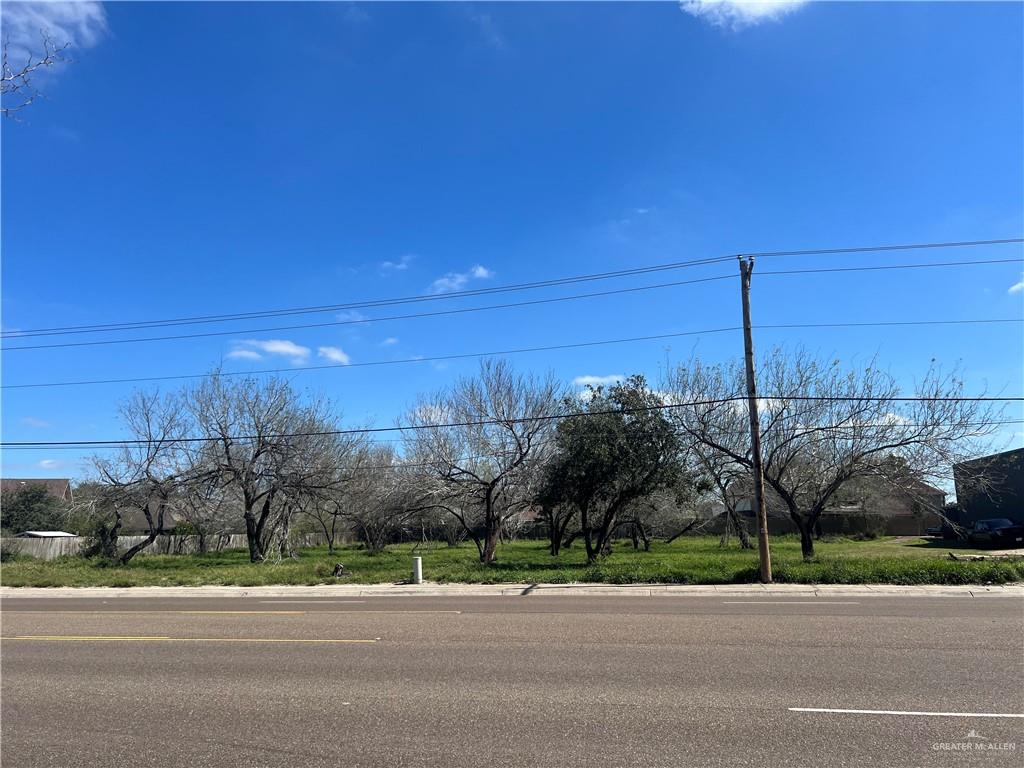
(378, 441)
(881, 248)
(885, 267)
(363, 304)
(533, 302)
(517, 420)
(417, 315)
(519, 350)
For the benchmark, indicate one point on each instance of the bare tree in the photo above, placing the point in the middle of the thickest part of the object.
(726, 482)
(206, 506)
(98, 516)
(373, 497)
(266, 444)
(668, 512)
(384, 498)
(482, 466)
(18, 78)
(822, 426)
(146, 473)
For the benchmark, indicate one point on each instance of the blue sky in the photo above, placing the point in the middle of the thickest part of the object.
(205, 158)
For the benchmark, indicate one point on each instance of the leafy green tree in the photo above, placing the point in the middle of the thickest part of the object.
(619, 450)
(30, 508)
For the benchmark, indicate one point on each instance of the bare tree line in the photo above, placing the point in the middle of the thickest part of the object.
(501, 449)
(19, 74)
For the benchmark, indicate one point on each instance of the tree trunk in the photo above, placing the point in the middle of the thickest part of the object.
(683, 530)
(492, 529)
(133, 551)
(490, 544)
(154, 531)
(252, 536)
(106, 544)
(286, 526)
(556, 530)
(741, 529)
(806, 537)
(554, 538)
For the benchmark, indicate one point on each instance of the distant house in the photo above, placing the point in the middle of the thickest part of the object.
(991, 486)
(893, 499)
(58, 488)
(906, 508)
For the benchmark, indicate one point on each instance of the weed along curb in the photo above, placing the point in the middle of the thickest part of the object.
(520, 590)
(691, 561)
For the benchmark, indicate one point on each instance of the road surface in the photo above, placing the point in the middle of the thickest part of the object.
(513, 681)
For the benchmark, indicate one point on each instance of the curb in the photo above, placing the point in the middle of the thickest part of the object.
(520, 590)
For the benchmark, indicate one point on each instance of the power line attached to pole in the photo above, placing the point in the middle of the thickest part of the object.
(746, 268)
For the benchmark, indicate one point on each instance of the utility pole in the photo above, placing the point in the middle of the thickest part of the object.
(746, 268)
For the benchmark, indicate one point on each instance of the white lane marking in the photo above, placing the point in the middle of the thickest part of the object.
(901, 712)
(787, 602)
(311, 602)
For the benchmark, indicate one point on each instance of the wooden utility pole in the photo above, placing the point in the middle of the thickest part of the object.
(746, 267)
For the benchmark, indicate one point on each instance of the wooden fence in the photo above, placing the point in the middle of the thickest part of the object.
(50, 549)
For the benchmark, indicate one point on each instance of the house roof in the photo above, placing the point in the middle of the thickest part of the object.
(916, 486)
(982, 462)
(59, 488)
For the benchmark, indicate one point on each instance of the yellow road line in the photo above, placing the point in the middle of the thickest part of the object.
(242, 612)
(357, 611)
(177, 612)
(87, 638)
(215, 613)
(81, 637)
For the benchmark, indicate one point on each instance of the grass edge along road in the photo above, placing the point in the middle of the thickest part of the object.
(695, 560)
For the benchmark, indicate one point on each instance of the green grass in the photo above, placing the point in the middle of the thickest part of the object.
(697, 560)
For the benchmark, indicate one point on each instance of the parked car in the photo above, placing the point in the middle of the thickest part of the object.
(996, 532)
(944, 531)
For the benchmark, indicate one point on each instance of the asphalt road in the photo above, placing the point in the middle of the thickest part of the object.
(512, 681)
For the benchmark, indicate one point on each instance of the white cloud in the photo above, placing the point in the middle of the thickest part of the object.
(82, 24)
(354, 13)
(334, 354)
(1016, 287)
(49, 464)
(456, 281)
(351, 316)
(737, 14)
(893, 419)
(253, 349)
(244, 354)
(32, 421)
(480, 273)
(598, 381)
(390, 341)
(399, 265)
(453, 281)
(489, 30)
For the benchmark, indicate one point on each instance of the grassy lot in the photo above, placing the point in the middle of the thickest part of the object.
(697, 560)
